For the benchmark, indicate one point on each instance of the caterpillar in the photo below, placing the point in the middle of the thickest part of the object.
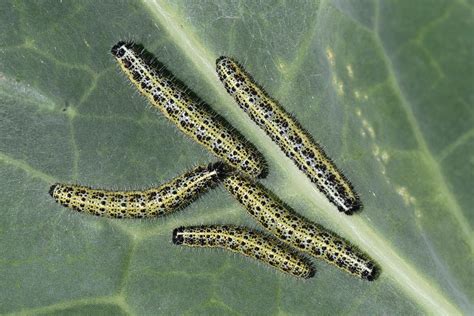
(293, 140)
(192, 117)
(153, 202)
(298, 231)
(247, 242)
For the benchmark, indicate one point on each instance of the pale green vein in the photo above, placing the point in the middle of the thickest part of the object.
(431, 60)
(278, 299)
(107, 300)
(12, 90)
(376, 17)
(94, 83)
(31, 171)
(75, 163)
(191, 45)
(432, 24)
(424, 149)
(455, 145)
(291, 71)
(398, 269)
(445, 273)
(30, 45)
(127, 266)
(211, 302)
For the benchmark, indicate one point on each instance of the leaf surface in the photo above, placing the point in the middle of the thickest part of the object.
(384, 86)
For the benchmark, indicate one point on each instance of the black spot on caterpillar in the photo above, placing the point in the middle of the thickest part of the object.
(165, 199)
(293, 140)
(298, 231)
(186, 111)
(247, 242)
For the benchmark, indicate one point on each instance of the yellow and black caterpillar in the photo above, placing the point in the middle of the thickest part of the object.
(293, 140)
(165, 199)
(193, 118)
(247, 242)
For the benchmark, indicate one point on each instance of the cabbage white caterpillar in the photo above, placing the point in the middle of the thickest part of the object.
(247, 242)
(153, 202)
(284, 130)
(193, 118)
